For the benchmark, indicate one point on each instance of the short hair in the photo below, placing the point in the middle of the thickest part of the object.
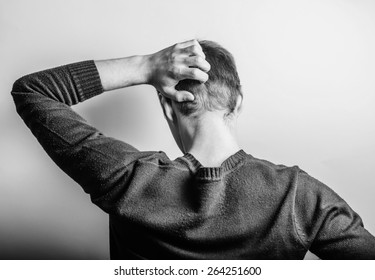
(220, 91)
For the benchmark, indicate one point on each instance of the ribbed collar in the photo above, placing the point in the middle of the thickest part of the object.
(213, 173)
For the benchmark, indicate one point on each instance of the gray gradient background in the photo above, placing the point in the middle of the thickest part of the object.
(307, 69)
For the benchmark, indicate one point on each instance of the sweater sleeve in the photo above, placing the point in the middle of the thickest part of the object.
(327, 225)
(100, 164)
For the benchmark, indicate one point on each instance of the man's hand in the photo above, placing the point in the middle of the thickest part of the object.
(163, 70)
(179, 62)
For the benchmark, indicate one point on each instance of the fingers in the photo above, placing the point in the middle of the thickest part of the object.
(191, 47)
(194, 50)
(187, 43)
(194, 74)
(198, 62)
(194, 64)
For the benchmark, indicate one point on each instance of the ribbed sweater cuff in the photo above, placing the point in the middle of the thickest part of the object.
(86, 78)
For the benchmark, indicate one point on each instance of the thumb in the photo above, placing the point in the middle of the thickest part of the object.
(181, 96)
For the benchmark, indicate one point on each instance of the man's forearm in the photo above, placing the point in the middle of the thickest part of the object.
(68, 84)
(124, 72)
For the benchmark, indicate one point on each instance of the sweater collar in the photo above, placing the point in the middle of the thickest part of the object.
(213, 173)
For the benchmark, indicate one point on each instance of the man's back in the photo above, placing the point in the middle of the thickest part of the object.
(182, 210)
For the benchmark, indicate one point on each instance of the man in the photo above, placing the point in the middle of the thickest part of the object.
(214, 202)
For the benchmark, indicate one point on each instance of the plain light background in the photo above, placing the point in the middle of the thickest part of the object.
(307, 70)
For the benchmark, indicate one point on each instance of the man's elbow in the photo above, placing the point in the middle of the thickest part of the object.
(21, 92)
(22, 84)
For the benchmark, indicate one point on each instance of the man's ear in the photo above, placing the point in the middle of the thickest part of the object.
(238, 107)
(166, 105)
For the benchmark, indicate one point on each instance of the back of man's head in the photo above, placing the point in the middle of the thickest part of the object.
(221, 90)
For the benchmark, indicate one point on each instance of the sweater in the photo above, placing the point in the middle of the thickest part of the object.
(160, 208)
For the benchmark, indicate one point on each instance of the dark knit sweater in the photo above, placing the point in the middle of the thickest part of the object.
(177, 209)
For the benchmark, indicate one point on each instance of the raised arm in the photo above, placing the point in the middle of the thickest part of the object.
(100, 164)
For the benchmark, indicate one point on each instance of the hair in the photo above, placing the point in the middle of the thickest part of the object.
(220, 91)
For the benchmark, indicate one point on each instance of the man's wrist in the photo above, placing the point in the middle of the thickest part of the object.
(146, 69)
(124, 72)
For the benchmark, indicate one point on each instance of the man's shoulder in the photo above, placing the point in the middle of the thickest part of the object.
(263, 165)
(267, 176)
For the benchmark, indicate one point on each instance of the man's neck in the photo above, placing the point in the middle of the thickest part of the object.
(211, 141)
